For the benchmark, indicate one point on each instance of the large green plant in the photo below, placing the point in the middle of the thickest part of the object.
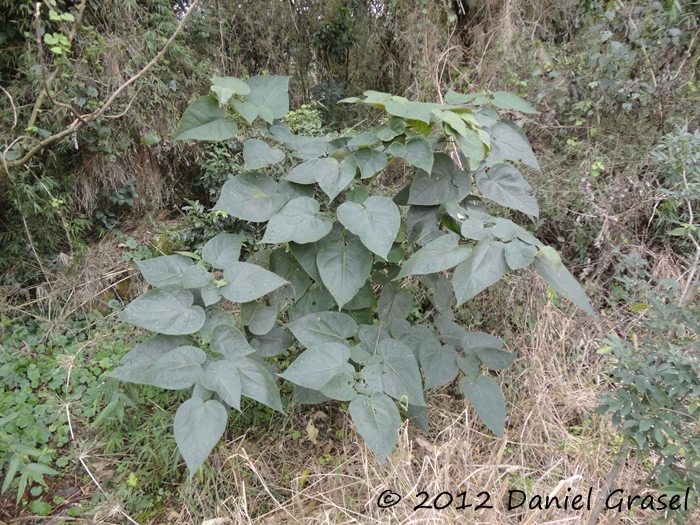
(338, 264)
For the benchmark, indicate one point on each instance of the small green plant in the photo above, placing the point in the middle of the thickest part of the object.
(34, 430)
(340, 264)
(655, 405)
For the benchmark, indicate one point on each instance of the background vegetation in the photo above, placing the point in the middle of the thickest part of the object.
(616, 85)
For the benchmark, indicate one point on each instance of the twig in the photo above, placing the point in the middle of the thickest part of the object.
(42, 96)
(12, 103)
(77, 125)
(696, 261)
(42, 64)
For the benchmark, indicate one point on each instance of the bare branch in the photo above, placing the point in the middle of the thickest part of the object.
(12, 103)
(77, 124)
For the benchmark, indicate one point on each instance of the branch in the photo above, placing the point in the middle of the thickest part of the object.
(42, 64)
(42, 96)
(78, 124)
(12, 103)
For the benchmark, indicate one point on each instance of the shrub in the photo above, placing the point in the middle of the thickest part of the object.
(328, 263)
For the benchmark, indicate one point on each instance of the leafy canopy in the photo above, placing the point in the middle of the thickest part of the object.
(333, 270)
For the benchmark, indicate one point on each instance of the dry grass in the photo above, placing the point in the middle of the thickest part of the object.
(553, 443)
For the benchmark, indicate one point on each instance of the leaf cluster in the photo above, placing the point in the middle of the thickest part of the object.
(337, 265)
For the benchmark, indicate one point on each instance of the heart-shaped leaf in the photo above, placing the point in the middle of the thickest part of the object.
(251, 197)
(226, 87)
(484, 394)
(223, 249)
(204, 119)
(257, 154)
(198, 428)
(324, 327)
(247, 282)
(505, 185)
(378, 421)
(166, 310)
(344, 268)
(376, 222)
(297, 221)
(318, 364)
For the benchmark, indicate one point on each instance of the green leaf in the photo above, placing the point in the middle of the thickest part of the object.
(512, 143)
(438, 362)
(247, 282)
(365, 298)
(223, 249)
(469, 365)
(206, 120)
(196, 276)
(270, 94)
(222, 377)
(324, 327)
(372, 335)
(445, 183)
(495, 359)
(198, 428)
(484, 394)
(247, 110)
(364, 139)
(226, 87)
(472, 342)
(378, 421)
(401, 378)
(316, 299)
(439, 255)
(332, 182)
(440, 293)
(340, 387)
(451, 333)
(297, 221)
(376, 222)
(412, 336)
(258, 317)
(505, 185)
(230, 342)
(306, 396)
(369, 381)
(251, 197)
(421, 223)
(452, 97)
(134, 366)
(318, 364)
(304, 147)
(166, 310)
(419, 417)
(519, 255)
(311, 171)
(553, 256)
(257, 383)
(306, 255)
(484, 267)
(165, 270)
(470, 144)
(417, 151)
(257, 154)
(284, 265)
(394, 303)
(344, 268)
(563, 283)
(180, 368)
(273, 343)
(215, 317)
(370, 161)
(512, 102)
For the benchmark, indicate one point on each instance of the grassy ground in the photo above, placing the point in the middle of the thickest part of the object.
(271, 469)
